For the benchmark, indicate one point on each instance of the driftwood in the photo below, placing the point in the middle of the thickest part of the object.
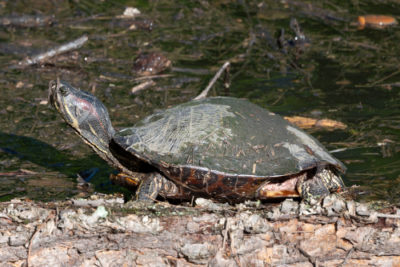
(103, 231)
(307, 123)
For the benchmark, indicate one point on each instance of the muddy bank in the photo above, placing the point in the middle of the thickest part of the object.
(103, 231)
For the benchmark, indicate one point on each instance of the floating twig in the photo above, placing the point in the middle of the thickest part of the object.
(204, 93)
(191, 71)
(380, 80)
(144, 85)
(28, 21)
(54, 52)
(153, 77)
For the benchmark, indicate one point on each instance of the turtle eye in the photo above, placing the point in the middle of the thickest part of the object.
(63, 90)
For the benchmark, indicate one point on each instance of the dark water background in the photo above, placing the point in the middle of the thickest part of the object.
(343, 73)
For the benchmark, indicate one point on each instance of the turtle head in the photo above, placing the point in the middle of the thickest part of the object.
(84, 113)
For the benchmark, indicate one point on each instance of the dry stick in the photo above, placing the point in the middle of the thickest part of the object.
(204, 93)
(54, 51)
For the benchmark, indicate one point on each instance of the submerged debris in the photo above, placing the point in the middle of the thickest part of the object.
(376, 21)
(130, 12)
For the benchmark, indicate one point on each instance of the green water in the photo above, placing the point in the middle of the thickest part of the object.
(344, 73)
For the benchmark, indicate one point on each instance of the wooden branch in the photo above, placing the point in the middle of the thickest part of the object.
(204, 93)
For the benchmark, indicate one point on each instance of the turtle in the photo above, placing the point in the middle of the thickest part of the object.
(224, 148)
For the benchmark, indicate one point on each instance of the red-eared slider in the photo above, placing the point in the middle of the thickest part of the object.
(219, 147)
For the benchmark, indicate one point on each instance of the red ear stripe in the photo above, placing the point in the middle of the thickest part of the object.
(85, 105)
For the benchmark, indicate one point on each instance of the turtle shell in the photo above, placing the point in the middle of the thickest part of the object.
(219, 145)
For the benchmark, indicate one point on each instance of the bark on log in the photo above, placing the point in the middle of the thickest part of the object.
(103, 231)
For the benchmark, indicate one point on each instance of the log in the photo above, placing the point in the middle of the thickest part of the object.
(105, 231)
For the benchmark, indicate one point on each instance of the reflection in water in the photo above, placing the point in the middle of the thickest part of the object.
(46, 172)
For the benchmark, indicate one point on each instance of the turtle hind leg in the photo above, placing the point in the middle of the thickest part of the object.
(322, 184)
(333, 182)
(156, 184)
(312, 190)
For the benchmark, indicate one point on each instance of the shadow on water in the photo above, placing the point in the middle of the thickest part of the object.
(56, 171)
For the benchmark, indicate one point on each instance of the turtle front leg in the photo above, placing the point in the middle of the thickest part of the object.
(155, 184)
(128, 181)
(322, 184)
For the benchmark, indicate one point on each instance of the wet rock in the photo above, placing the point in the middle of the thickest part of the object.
(150, 64)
